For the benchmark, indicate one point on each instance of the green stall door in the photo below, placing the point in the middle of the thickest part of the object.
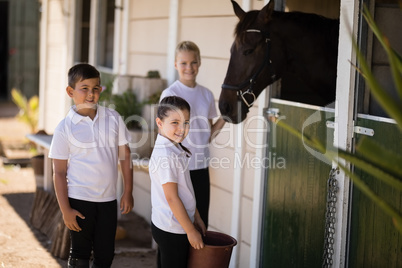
(296, 191)
(374, 242)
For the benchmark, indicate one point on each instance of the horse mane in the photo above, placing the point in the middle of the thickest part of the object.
(307, 22)
(310, 21)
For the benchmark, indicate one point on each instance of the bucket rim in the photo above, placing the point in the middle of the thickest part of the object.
(234, 241)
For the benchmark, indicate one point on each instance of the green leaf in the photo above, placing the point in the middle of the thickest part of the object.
(33, 103)
(29, 110)
(371, 157)
(387, 102)
(18, 99)
(380, 156)
(398, 224)
(359, 162)
(127, 106)
(393, 57)
(388, 209)
(368, 167)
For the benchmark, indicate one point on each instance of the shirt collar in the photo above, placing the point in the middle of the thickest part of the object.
(186, 87)
(76, 117)
(163, 142)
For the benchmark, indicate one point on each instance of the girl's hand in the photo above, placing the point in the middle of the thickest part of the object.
(70, 219)
(195, 239)
(199, 223)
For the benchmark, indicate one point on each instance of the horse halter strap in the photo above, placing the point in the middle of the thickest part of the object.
(251, 81)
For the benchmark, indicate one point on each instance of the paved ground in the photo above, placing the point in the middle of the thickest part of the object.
(22, 245)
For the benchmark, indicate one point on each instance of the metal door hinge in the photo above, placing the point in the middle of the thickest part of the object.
(363, 130)
(356, 129)
(271, 114)
(330, 124)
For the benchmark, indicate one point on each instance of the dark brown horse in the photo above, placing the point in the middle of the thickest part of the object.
(270, 45)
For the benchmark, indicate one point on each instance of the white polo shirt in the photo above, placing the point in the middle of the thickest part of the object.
(169, 163)
(203, 108)
(91, 148)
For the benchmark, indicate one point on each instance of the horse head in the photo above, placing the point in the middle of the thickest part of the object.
(270, 45)
(251, 67)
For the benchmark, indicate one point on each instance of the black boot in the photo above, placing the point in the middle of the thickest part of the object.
(77, 263)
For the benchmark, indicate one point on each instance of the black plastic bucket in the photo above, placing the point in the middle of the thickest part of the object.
(216, 253)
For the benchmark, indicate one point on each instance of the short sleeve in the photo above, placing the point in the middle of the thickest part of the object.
(167, 169)
(165, 93)
(59, 148)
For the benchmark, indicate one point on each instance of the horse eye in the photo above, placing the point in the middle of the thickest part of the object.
(248, 51)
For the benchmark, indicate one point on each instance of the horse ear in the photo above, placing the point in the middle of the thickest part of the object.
(266, 12)
(238, 10)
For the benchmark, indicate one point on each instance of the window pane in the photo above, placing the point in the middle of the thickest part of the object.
(106, 34)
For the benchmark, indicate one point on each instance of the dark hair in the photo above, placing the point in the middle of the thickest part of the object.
(170, 103)
(81, 72)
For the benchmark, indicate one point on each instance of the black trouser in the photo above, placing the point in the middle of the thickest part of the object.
(172, 248)
(98, 231)
(201, 184)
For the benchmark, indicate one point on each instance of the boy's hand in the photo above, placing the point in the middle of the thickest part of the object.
(126, 203)
(70, 219)
(195, 239)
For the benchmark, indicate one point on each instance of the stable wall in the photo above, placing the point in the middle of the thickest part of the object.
(210, 25)
(147, 36)
(147, 29)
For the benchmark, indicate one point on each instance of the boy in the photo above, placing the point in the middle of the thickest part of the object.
(85, 149)
(203, 110)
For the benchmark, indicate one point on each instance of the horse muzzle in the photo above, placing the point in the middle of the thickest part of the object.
(233, 110)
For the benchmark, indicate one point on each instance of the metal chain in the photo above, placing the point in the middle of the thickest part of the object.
(329, 236)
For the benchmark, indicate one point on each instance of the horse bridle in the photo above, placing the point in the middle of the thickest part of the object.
(252, 80)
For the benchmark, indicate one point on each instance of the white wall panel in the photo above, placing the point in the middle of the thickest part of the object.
(220, 211)
(148, 36)
(248, 178)
(142, 203)
(212, 73)
(142, 180)
(140, 64)
(255, 4)
(206, 8)
(55, 9)
(148, 9)
(221, 168)
(56, 34)
(53, 60)
(142, 194)
(54, 93)
(213, 35)
(244, 255)
(246, 218)
(252, 129)
(225, 139)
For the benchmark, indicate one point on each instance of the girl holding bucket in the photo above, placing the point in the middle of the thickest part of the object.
(176, 222)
